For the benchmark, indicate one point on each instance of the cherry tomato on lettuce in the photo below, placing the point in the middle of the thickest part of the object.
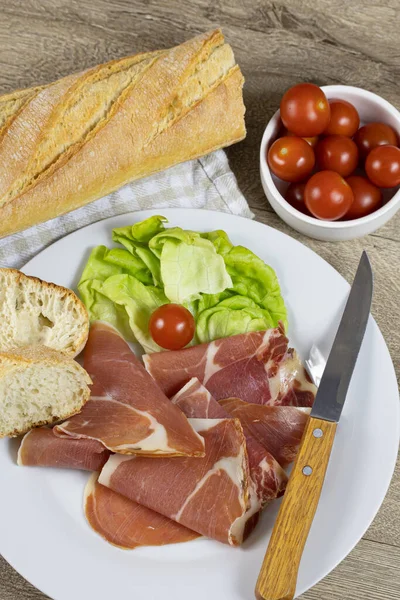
(344, 120)
(328, 196)
(373, 135)
(291, 158)
(383, 166)
(337, 153)
(367, 197)
(305, 110)
(172, 326)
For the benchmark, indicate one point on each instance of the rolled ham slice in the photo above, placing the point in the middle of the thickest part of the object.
(268, 477)
(127, 412)
(41, 448)
(278, 429)
(256, 367)
(126, 524)
(208, 495)
(292, 383)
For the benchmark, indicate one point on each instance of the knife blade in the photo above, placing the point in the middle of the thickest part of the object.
(339, 368)
(278, 574)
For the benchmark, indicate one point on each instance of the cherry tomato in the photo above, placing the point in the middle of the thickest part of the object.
(383, 166)
(337, 153)
(295, 196)
(305, 110)
(367, 197)
(172, 326)
(345, 119)
(372, 135)
(291, 158)
(313, 141)
(328, 196)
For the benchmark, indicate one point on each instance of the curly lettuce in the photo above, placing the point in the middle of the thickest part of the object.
(227, 288)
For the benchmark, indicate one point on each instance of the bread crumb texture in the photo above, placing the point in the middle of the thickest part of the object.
(39, 386)
(36, 312)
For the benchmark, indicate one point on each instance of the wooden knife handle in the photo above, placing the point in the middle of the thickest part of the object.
(278, 575)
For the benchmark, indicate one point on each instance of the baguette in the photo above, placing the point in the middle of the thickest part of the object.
(39, 386)
(84, 136)
(36, 312)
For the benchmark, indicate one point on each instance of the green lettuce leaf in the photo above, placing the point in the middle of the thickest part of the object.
(99, 307)
(254, 279)
(139, 301)
(190, 269)
(228, 289)
(220, 239)
(251, 277)
(236, 314)
(139, 233)
(136, 237)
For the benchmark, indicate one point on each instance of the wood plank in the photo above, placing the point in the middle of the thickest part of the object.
(14, 587)
(277, 43)
(385, 527)
(370, 572)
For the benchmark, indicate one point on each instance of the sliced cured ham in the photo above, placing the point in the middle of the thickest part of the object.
(279, 429)
(268, 477)
(208, 495)
(127, 411)
(41, 448)
(292, 386)
(256, 367)
(221, 363)
(124, 523)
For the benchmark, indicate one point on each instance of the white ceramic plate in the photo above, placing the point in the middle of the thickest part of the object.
(43, 533)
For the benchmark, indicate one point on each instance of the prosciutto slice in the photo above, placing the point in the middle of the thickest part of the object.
(127, 411)
(208, 495)
(41, 448)
(268, 477)
(125, 523)
(256, 367)
(292, 384)
(279, 429)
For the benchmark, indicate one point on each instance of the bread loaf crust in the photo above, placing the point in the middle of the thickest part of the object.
(177, 105)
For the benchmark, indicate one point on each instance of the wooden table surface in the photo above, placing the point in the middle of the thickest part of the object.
(277, 44)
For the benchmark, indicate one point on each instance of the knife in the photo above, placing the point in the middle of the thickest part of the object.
(278, 575)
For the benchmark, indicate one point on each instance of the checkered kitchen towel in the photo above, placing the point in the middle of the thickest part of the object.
(204, 183)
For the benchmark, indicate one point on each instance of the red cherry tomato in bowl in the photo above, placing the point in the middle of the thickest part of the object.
(291, 158)
(373, 135)
(305, 110)
(337, 153)
(367, 197)
(295, 197)
(313, 141)
(172, 326)
(328, 196)
(383, 166)
(344, 120)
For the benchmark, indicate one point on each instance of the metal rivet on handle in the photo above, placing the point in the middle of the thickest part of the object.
(318, 433)
(307, 470)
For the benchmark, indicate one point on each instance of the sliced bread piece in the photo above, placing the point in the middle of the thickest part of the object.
(33, 311)
(39, 386)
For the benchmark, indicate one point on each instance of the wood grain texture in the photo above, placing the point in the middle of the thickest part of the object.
(277, 43)
(278, 575)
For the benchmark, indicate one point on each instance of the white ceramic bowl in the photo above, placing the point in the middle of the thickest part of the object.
(371, 108)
